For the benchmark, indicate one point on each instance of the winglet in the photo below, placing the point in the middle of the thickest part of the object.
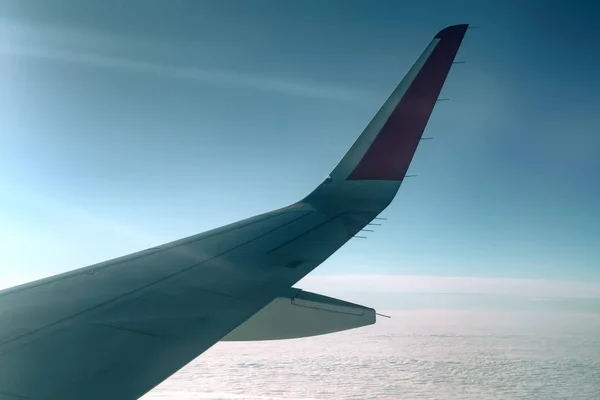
(387, 145)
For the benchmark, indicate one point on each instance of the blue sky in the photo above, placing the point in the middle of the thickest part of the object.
(126, 125)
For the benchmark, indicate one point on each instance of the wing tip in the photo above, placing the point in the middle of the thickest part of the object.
(452, 31)
(388, 144)
(390, 153)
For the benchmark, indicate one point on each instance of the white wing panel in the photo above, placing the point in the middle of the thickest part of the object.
(118, 329)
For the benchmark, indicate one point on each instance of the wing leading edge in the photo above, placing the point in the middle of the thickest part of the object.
(117, 329)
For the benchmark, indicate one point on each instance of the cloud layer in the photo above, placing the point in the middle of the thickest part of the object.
(540, 288)
(418, 354)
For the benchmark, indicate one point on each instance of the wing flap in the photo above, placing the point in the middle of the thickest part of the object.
(302, 314)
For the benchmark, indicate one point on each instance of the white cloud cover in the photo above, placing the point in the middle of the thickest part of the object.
(543, 288)
(444, 355)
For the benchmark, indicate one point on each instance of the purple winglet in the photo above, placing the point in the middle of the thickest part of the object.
(392, 151)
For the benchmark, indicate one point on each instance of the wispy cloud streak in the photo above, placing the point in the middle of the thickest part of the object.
(196, 75)
(65, 45)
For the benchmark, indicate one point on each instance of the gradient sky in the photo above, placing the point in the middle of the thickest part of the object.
(125, 125)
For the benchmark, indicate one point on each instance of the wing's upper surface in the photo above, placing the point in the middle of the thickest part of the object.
(116, 329)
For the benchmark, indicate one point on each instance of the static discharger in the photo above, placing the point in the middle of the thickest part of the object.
(370, 230)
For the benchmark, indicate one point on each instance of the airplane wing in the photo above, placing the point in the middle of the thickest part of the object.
(115, 330)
